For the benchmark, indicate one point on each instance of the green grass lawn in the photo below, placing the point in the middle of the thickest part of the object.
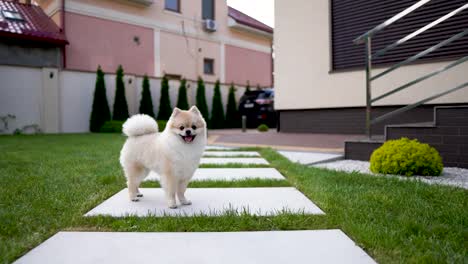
(48, 182)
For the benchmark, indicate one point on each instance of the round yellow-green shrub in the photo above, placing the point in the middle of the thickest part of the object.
(262, 128)
(406, 157)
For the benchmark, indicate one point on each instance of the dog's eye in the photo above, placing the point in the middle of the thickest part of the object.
(194, 127)
(181, 127)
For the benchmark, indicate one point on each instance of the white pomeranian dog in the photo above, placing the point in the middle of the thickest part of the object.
(173, 153)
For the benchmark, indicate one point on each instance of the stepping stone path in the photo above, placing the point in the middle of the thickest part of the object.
(229, 174)
(224, 161)
(273, 247)
(218, 148)
(210, 201)
(323, 246)
(231, 153)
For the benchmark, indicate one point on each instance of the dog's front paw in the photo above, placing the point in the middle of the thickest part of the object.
(171, 204)
(186, 202)
(139, 195)
(135, 200)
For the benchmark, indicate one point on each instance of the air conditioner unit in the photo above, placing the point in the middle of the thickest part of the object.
(209, 25)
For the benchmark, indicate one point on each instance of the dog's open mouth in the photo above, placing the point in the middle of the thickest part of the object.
(188, 139)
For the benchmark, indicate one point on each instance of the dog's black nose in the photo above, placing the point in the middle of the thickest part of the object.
(188, 132)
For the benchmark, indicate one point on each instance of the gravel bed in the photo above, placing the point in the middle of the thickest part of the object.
(450, 176)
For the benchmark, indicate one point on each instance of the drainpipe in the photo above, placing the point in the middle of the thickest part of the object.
(62, 23)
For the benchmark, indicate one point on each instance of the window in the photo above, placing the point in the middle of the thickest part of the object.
(208, 9)
(172, 5)
(13, 15)
(350, 19)
(208, 66)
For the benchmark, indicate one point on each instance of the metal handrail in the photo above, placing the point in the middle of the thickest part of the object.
(411, 106)
(422, 78)
(367, 39)
(388, 22)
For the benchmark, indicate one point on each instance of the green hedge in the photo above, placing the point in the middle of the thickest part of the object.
(406, 157)
(113, 126)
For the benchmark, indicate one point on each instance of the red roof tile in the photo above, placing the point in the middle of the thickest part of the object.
(246, 20)
(36, 25)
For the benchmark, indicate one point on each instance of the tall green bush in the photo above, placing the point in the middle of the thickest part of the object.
(120, 103)
(217, 109)
(201, 99)
(100, 112)
(165, 109)
(232, 115)
(146, 103)
(182, 101)
(247, 87)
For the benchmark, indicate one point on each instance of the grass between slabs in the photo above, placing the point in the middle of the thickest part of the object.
(48, 182)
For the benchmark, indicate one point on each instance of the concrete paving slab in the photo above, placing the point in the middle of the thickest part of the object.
(272, 247)
(231, 153)
(218, 148)
(210, 201)
(307, 158)
(226, 174)
(233, 160)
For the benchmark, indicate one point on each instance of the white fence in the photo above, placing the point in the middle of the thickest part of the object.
(60, 101)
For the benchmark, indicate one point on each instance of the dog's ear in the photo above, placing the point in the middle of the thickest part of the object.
(176, 111)
(195, 110)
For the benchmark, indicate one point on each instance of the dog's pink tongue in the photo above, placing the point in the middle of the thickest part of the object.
(188, 139)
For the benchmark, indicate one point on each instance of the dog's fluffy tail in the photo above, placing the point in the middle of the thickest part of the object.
(139, 125)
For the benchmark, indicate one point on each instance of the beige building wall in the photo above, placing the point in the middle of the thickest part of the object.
(303, 61)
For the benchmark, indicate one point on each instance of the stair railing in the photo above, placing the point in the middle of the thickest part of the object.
(366, 38)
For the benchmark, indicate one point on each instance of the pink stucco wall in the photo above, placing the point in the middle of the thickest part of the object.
(244, 65)
(95, 41)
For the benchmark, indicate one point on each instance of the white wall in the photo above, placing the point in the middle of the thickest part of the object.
(66, 100)
(302, 64)
(21, 95)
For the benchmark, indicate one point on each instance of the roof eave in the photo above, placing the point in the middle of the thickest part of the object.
(58, 42)
(235, 24)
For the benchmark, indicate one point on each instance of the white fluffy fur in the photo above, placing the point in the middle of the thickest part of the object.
(138, 125)
(165, 153)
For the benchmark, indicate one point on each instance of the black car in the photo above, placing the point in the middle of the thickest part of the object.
(258, 107)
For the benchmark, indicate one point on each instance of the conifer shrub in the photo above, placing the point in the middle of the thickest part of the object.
(165, 109)
(120, 102)
(182, 100)
(217, 109)
(201, 99)
(146, 102)
(232, 114)
(100, 112)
